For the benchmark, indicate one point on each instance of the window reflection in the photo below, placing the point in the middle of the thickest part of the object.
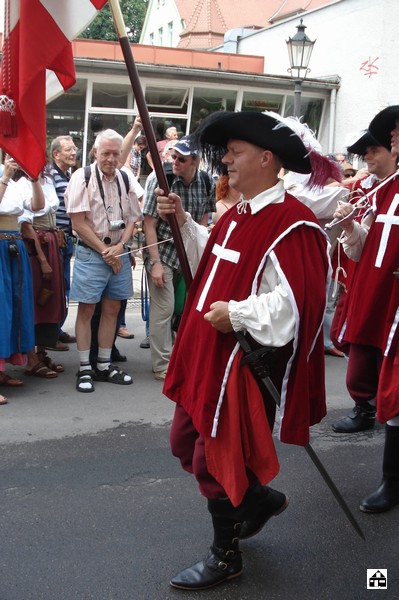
(208, 100)
(258, 101)
(311, 110)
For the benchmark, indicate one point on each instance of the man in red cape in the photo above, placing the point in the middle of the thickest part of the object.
(264, 271)
(362, 372)
(371, 310)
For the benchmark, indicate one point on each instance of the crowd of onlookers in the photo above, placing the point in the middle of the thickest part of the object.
(37, 244)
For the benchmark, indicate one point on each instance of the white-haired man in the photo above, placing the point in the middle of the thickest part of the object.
(103, 214)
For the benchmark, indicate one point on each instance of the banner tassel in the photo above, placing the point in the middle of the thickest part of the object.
(8, 122)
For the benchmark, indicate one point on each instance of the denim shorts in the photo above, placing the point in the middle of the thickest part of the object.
(93, 278)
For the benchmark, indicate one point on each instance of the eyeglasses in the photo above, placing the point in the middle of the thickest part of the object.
(68, 149)
(181, 159)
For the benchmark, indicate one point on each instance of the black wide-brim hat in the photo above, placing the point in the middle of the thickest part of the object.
(259, 129)
(365, 141)
(383, 123)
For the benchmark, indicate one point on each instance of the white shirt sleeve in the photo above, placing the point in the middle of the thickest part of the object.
(322, 201)
(268, 316)
(353, 244)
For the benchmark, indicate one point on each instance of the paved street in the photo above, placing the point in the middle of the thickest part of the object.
(95, 507)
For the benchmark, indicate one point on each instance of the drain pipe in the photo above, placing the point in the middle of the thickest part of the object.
(331, 132)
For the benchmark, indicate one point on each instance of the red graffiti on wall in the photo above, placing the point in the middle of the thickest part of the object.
(369, 67)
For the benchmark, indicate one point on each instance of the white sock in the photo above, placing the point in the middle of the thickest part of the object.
(104, 358)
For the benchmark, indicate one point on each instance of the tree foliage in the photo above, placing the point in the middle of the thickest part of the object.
(102, 28)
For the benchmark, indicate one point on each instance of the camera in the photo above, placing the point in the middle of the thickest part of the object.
(115, 225)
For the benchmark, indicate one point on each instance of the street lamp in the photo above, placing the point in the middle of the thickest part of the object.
(299, 51)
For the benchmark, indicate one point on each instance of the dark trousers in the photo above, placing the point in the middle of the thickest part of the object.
(363, 371)
(66, 256)
(189, 447)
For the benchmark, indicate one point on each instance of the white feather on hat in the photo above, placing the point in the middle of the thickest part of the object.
(323, 168)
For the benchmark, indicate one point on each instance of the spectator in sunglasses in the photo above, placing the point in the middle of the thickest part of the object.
(197, 191)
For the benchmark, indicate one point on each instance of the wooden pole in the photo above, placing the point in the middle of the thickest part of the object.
(149, 132)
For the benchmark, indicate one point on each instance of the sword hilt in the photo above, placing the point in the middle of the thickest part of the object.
(260, 360)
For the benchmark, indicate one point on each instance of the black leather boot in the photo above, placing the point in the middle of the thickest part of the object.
(224, 557)
(261, 503)
(387, 495)
(361, 418)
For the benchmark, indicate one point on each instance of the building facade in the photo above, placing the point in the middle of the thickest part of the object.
(356, 40)
(180, 88)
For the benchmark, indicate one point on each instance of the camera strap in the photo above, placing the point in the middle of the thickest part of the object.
(102, 193)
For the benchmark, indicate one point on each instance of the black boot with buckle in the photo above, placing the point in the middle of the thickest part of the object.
(387, 495)
(224, 557)
(361, 418)
(261, 502)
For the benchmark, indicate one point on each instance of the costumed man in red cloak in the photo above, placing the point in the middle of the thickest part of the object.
(363, 368)
(264, 271)
(371, 310)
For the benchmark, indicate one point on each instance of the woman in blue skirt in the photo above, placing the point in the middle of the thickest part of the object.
(16, 299)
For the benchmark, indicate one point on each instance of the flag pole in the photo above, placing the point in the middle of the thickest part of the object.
(149, 132)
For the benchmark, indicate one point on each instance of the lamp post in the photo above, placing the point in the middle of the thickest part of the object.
(300, 49)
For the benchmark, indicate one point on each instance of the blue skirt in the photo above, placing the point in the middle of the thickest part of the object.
(17, 332)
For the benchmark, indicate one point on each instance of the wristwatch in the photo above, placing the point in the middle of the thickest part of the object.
(153, 262)
(125, 246)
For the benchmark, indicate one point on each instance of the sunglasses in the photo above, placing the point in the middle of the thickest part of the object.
(181, 159)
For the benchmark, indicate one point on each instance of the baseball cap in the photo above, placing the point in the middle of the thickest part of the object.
(186, 146)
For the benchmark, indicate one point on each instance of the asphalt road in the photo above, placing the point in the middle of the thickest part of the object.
(93, 505)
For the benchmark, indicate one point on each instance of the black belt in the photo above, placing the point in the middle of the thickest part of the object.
(80, 243)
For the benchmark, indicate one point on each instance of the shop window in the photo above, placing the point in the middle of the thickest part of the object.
(111, 95)
(166, 100)
(260, 102)
(209, 100)
(65, 114)
(311, 111)
(97, 122)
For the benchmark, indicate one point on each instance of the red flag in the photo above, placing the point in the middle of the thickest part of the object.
(37, 63)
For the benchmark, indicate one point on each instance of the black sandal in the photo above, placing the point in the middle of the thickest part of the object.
(85, 377)
(113, 375)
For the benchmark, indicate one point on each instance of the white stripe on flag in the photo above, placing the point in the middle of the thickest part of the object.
(14, 13)
(71, 16)
(53, 86)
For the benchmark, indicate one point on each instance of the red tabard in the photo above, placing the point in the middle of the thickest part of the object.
(373, 295)
(202, 356)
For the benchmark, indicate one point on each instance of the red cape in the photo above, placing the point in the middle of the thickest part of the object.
(373, 294)
(202, 357)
